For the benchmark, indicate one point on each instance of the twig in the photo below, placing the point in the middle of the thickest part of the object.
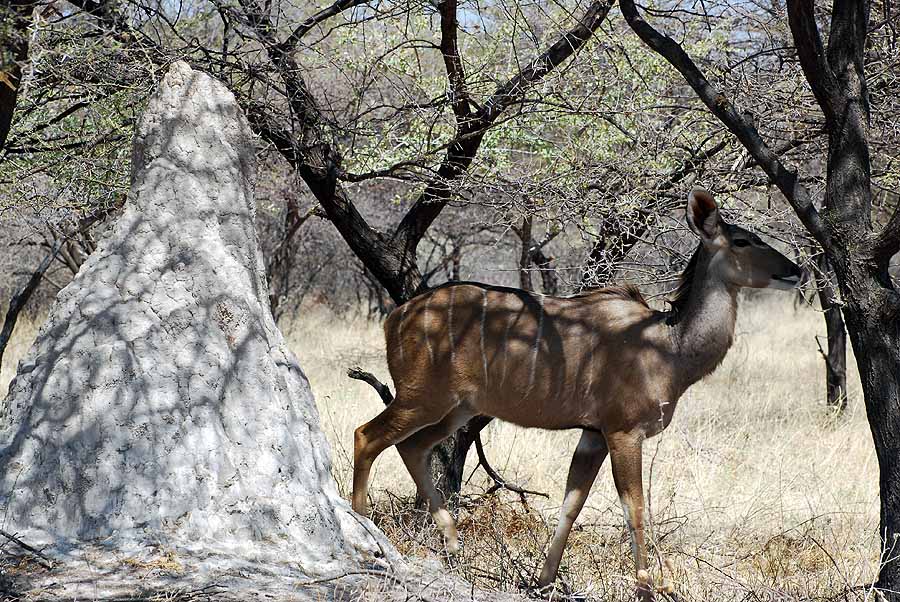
(357, 573)
(499, 481)
(825, 355)
(48, 562)
(382, 389)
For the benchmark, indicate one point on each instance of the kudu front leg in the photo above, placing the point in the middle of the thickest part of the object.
(626, 456)
(586, 462)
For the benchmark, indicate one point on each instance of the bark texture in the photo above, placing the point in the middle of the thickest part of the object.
(159, 402)
(15, 18)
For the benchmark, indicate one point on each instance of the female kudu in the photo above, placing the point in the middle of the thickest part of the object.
(602, 361)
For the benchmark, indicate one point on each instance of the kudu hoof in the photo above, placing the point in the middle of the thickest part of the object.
(645, 588)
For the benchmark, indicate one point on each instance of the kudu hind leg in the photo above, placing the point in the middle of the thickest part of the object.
(415, 452)
(586, 463)
(390, 427)
(625, 453)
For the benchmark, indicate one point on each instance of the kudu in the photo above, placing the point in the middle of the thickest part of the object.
(602, 361)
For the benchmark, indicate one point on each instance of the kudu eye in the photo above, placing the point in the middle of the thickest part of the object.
(741, 242)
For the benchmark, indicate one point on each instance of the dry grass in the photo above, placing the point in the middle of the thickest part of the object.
(755, 491)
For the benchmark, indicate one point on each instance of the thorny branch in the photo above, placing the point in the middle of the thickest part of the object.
(740, 124)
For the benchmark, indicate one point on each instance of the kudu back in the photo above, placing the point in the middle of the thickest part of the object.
(602, 361)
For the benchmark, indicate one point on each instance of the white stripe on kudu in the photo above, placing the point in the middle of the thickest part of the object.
(450, 322)
(484, 304)
(426, 319)
(537, 342)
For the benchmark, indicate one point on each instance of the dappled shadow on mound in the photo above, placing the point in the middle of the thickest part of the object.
(99, 572)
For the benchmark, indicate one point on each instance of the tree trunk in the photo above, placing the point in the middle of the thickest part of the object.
(455, 263)
(19, 300)
(549, 279)
(876, 344)
(448, 460)
(836, 353)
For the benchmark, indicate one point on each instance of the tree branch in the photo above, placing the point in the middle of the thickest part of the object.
(384, 392)
(740, 125)
(811, 51)
(499, 481)
(323, 15)
(568, 44)
(318, 163)
(118, 27)
(462, 151)
(847, 36)
(456, 75)
(15, 19)
(19, 300)
(41, 558)
(888, 242)
(604, 256)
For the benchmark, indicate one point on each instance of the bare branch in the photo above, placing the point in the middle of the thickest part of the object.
(456, 75)
(468, 138)
(323, 15)
(40, 557)
(118, 27)
(19, 300)
(568, 44)
(499, 481)
(888, 242)
(740, 125)
(811, 51)
(606, 253)
(384, 392)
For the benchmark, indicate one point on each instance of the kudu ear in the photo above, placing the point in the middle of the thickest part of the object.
(703, 214)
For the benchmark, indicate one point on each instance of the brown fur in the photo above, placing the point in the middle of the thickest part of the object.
(682, 294)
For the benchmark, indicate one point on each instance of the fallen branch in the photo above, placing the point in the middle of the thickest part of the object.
(41, 558)
(499, 481)
(387, 397)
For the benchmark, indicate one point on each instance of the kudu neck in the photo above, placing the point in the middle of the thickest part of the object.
(703, 318)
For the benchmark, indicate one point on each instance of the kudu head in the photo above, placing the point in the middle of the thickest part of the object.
(737, 256)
